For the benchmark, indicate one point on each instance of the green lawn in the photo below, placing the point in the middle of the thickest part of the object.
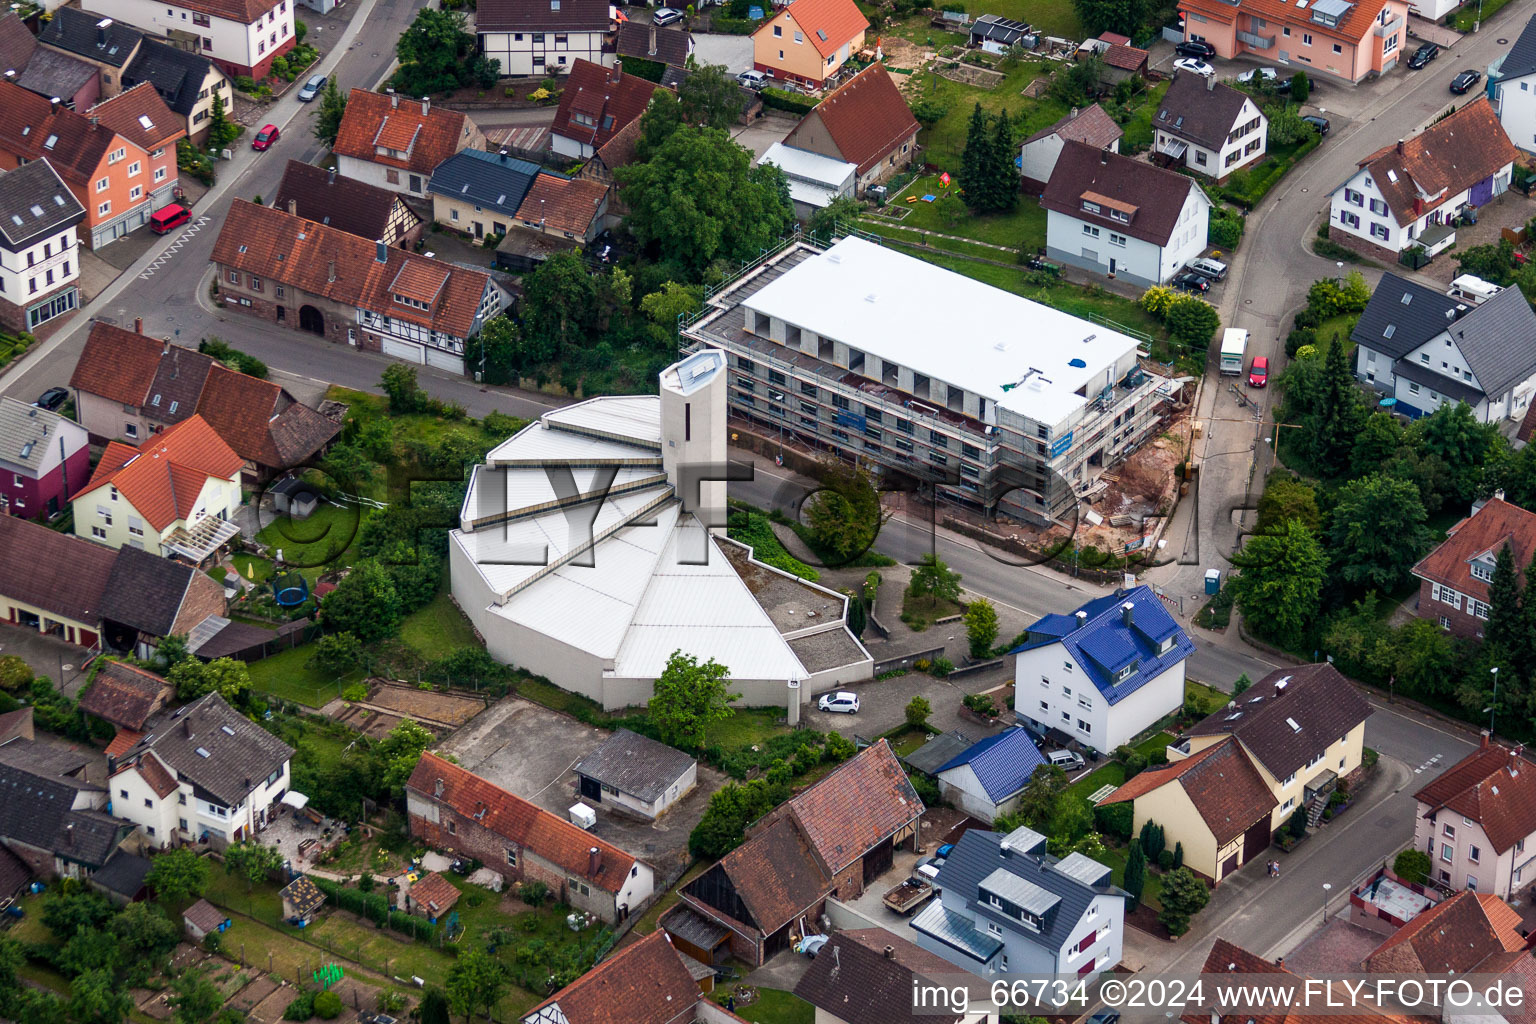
(1138, 130)
(1336, 329)
(748, 726)
(1153, 744)
(946, 139)
(322, 539)
(1151, 893)
(915, 240)
(773, 1006)
(437, 629)
(1212, 697)
(252, 567)
(287, 675)
(905, 743)
(1023, 228)
(1110, 774)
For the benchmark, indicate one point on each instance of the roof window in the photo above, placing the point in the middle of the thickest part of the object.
(50, 141)
(226, 729)
(203, 752)
(1295, 726)
(145, 122)
(37, 211)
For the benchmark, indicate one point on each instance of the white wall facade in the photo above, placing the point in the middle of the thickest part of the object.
(1515, 101)
(1358, 208)
(1104, 250)
(1051, 688)
(134, 800)
(1038, 158)
(403, 181)
(246, 45)
(42, 267)
(962, 788)
(1244, 144)
(544, 54)
(675, 791)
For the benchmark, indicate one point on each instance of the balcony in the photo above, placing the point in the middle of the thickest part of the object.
(1255, 40)
(1390, 27)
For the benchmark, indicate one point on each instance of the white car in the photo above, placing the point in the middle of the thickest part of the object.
(1267, 74)
(1194, 67)
(666, 16)
(841, 702)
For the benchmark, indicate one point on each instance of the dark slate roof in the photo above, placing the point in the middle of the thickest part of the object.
(75, 31)
(1200, 114)
(1454, 389)
(34, 202)
(17, 44)
(673, 45)
(865, 984)
(123, 874)
(1104, 644)
(204, 916)
(1002, 763)
(145, 591)
(13, 873)
(522, 16)
(635, 764)
(1155, 195)
(1495, 340)
(1401, 316)
(177, 75)
(1521, 59)
(937, 752)
(353, 206)
(217, 749)
(36, 797)
(51, 73)
(485, 179)
(978, 854)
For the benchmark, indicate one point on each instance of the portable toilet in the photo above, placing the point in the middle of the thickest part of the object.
(1213, 581)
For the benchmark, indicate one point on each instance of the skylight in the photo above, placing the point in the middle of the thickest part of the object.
(226, 729)
(1295, 727)
(1390, 330)
(1407, 298)
(49, 142)
(37, 211)
(58, 200)
(17, 219)
(145, 122)
(203, 752)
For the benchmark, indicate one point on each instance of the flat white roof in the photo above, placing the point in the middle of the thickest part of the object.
(948, 327)
(813, 167)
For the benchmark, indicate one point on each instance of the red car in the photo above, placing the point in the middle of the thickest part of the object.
(1258, 374)
(265, 138)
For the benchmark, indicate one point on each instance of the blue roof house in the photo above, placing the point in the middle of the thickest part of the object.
(987, 777)
(1104, 673)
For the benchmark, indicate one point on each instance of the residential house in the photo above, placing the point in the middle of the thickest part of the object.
(545, 37)
(1117, 216)
(1005, 906)
(105, 44)
(1454, 577)
(569, 208)
(1477, 821)
(618, 151)
(452, 810)
(937, 751)
(669, 46)
(814, 180)
(117, 181)
(206, 773)
(833, 840)
(48, 73)
(397, 146)
(1089, 125)
(1411, 193)
(1346, 40)
(871, 978)
(17, 724)
(173, 496)
(42, 455)
(241, 36)
(1208, 127)
(86, 594)
(371, 212)
(432, 896)
(123, 879)
(809, 44)
(596, 103)
(996, 34)
(864, 122)
(635, 774)
(52, 816)
(125, 695)
(987, 778)
(478, 193)
(1216, 1004)
(1512, 88)
(1102, 674)
(644, 982)
(187, 81)
(39, 253)
(346, 289)
(1456, 936)
(131, 387)
(1427, 349)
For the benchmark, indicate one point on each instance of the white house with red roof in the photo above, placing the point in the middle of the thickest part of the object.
(240, 36)
(173, 496)
(1477, 821)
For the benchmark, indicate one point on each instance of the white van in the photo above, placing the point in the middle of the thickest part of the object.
(1234, 346)
(1475, 290)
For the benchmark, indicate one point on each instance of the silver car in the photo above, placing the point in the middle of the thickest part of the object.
(1066, 760)
(312, 88)
(1213, 269)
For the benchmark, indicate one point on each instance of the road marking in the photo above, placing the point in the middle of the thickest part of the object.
(181, 240)
(1428, 764)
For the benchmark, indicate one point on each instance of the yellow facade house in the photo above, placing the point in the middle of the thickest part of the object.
(808, 42)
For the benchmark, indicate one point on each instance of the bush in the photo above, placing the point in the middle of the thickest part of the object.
(1412, 866)
(533, 893)
(355, 693)
(838, 749)
(941, 667)
(1296, 827)
(15, 674)
(1115, 819)
(1165, 859)
(980, 703)
(927, 790)
(328, 1006)
(917, 711)
(1225, 230)
(793, 102)
(301, 1008)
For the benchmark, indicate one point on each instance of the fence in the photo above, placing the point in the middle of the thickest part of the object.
(905, 661)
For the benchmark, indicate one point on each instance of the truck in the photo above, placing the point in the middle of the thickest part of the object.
(1234, 348)
(909, 895)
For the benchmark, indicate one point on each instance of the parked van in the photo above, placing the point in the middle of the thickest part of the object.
(1234, 346)
(169, 218)
(1473, 289)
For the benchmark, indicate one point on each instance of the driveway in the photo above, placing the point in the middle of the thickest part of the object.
(47, 655)
(735, 52)
(764, 132)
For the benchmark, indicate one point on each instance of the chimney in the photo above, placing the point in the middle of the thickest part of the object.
(437, 790)
(330, 175)
(394, 100)
(653, 39)
(1104, 157)
(502, 152)
(165, 349)
(101, 32)
(426, 105)
(1074, 115)
(1498, 495)
(594, 861)
(53, 104)
(186, 727)
(69, 836)
(293, 205)
(1399, 147)
(618, 74)
(1483, 742)
(890, 952)
(95, 120)
(138, 325)
(382, 253)
(10, 74)
(330, 272)
(1126, 611)
(1082, 619)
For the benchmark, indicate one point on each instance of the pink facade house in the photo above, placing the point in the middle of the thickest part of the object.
(1342, 39)
(42, 457)
(1477, 822)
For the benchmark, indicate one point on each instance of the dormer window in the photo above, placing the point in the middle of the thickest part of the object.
(1482, 571)
(1126, 673)
(1166, 645)
(1091, 207)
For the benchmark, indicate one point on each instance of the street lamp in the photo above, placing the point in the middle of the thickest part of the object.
(1327, 888)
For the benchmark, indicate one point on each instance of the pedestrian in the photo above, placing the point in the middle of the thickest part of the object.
(1277, 869)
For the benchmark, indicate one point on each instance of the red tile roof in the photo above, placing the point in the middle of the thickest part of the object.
(1127, 58)
(1355, 26)
(157, 775)
(1482, 534)
(775, 873)
(857, 807)
(865, 116)
(1454, 936)
(123, 741)
(1495, 787)
(124, 694)
(116, 364)
(645, 982)
(1444, 160)
(1220, 781)
(828, 25)
(141, 116)
(609, 99)
(526, 824)
(374, 119)
(27, 123)
(1228, 958)
(290, 250)
(1091, 125)
(563, 204)
(434, 894)
(163, 479)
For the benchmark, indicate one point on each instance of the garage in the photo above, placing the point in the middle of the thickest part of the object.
(444, 360)
(409, 351)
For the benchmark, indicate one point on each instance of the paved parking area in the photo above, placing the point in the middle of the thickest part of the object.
(48, 655)
(735, 52)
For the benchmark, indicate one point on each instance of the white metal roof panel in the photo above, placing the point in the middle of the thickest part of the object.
(810, 167)
(536, 444)
(526, 488)
(1083, 868)
(1022, 893)
(883, 302)
(819, 196)
(632, 416)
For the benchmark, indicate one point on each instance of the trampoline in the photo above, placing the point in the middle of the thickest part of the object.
(290, 589)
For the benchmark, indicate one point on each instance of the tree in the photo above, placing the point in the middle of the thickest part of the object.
(981, 627)
(559, 307)
(1037, 804)
(917, 711)
(178, 876)
(1192, 321)
(221, 131)
(1341, 413)
(1286, 498)
(365, 603)
(1280, 584)
(225, 676)
(1453, 433)
(1411, 866)
(252, 861)
(1184, 895)
(195, 998)
(710, 96)
(336, 654)
(1127, 17)
(399, 752)
(1241, 686)
(665, 307)
(15, 673)
(662, 117)
(834, 217)
(999, 179)
(483, 71)
(1494, 262)
(858, 618)
(434, 53)
(1379, 438)
(935, 580)
(975, 157)
(475, 981)
(1301, 87)
(333, 107)
(1135, 874)
(844, 513)
(399, 382)
(1421, 656)
(434, 1006)
(698, 199)
(95, 997)
(145, 937)
(1077, 82)
(1378, 532)
(687, 697)
(1285, 125)
(1178, 856)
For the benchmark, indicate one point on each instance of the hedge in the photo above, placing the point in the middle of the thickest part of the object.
(374, 907)
(793, 102)
(732, 26)
(1263, 177)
